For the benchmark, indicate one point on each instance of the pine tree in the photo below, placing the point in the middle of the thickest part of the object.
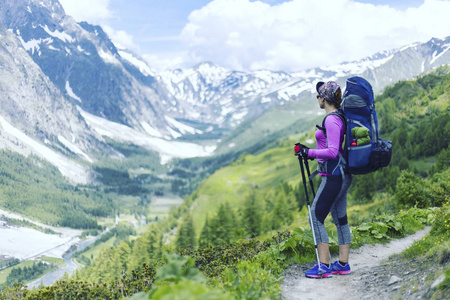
(252, 217)
(186, 233)
(138, 255)
(205, 235)
(124, 251)
(231, 226)
(282, 214)
(222, 225)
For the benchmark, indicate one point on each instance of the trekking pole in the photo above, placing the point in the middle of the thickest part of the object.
(309, 176)
(300, 159)
(312, 186)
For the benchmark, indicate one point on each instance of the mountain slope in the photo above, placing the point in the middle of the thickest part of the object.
(85, 65)
(419, 106)
(36, 118)
(260, 103)
(206, 102)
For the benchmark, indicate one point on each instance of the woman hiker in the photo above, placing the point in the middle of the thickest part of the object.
(331, 195)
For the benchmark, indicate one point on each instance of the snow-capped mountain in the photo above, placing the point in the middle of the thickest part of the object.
(215, 95)
(85, 65)
(211, 94)
(36, 118)
(66, 85)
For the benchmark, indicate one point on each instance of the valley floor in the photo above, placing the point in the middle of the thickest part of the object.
(26, 243)
(376, 274)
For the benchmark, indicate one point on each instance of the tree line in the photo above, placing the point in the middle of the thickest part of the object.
(26, 274)
(34, 188)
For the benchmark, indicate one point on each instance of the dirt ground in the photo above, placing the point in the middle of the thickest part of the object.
(377, 273)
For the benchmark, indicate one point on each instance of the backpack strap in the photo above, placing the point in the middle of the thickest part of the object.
(339, 112)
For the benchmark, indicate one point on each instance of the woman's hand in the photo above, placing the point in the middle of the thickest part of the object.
(301, 150)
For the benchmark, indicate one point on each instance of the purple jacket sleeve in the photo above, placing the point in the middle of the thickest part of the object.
(335, 131)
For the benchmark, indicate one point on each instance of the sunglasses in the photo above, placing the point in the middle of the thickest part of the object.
(318, 96)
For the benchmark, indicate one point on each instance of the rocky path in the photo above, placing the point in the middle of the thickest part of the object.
(374, 276)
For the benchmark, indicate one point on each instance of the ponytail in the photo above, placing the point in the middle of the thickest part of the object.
(337, 98)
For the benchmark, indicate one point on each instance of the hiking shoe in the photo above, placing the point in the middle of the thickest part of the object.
(337, 268)
(315, 272)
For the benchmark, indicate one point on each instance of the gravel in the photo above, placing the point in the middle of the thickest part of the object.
(378, 272)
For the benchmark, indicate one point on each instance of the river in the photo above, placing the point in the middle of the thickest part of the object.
(70, 266)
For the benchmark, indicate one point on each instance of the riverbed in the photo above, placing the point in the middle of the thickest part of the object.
(70, 266)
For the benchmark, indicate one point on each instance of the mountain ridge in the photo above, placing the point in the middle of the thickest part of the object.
(200, 106)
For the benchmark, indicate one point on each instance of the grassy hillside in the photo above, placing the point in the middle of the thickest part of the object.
(231, 184)
(245, 216)
(290, 117)
(36, 189)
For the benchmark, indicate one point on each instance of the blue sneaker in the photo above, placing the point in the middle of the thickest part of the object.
(337, 268)
(316, 272)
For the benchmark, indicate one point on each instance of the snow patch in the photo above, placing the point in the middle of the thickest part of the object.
(226, 110)
(59, 35)
(82, 50)
(74, 148)
(356, 67)
(183, 128)
(150, 130)
(31, 45)
(71, 93)
(108, 57)
(436, 56)
(67, 167)
(167, 149)
(173, 133)
(240, 115)
(53, 48)
(141, 65)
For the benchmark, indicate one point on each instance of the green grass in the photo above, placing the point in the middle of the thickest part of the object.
(276, 122)
(4, 273)
(232, 183)
(95, 251)
(160, 206)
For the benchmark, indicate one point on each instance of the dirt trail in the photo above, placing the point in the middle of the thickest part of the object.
(363, 261)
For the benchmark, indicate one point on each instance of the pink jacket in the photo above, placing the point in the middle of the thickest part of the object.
(335, 133)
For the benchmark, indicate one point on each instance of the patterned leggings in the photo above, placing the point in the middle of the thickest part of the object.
(331, 197)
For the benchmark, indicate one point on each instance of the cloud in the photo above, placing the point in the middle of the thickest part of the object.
(99, 12)
(300, 34)
(166, 61)
(90, 11)
(121, 38)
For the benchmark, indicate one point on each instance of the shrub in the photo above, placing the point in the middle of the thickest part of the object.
(411, 191)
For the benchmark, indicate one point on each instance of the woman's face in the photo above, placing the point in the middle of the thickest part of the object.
(321, 102)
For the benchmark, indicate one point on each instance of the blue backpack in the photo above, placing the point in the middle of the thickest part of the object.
(364, 151)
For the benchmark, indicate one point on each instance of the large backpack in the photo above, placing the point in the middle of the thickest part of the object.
(358, 110)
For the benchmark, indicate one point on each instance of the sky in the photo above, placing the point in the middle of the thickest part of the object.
(248, 35)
